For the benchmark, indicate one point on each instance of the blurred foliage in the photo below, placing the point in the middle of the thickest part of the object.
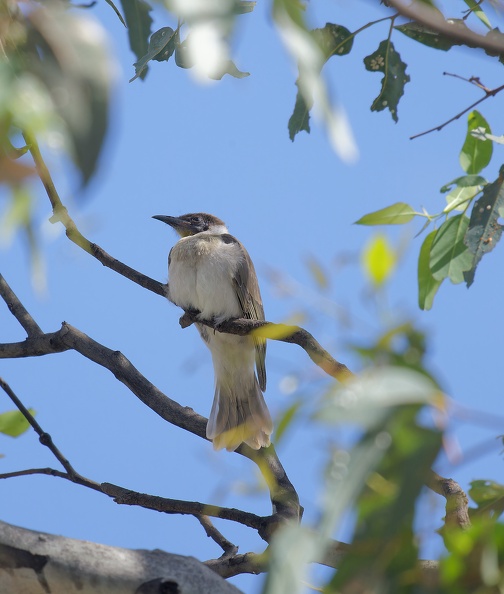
(14, 423)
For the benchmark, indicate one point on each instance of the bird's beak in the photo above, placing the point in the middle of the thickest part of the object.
(182, 227)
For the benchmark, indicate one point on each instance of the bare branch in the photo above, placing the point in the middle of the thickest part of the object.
(44, 438)
(60, 214)
(228, 567)
(230, 549)
(281, 332)
(18, 311)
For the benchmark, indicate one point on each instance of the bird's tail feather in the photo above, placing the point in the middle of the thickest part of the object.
(239, 415)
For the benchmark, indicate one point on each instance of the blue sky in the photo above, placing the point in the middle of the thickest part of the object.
(175, 146)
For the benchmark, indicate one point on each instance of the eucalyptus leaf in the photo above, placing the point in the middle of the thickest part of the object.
(139, 23)
(484, 230)
(475, 154)
(427, 285)
(13, 422)
(385, 59)
(449, 256)
(161, 48)
(395, 214)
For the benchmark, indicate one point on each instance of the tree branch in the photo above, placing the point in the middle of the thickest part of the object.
(18, 311)
(432, 19)
(457, 504)
(230, 549)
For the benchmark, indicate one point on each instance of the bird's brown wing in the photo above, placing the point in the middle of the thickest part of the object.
(249, 296)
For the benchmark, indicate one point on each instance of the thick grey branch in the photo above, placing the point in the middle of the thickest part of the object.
(18, 311)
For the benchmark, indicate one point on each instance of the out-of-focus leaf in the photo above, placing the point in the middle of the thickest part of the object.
(395, 214)
(229, 67)
(300, 42)
(481, 134)
(484, 493)
(284, 422)
(183, 58)
(333, 40)
(449, 256)
(13, 423)
(426, 36)
(378, 260)
(427, 285)
(475, 154)
(385, 59)
(244, 6)
(484, 230)
(318, 274)
(139, 22)
(161, 48)
(70, 57)
(366, 399)
(478, 11)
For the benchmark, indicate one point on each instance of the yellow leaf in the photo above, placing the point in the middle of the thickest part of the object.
(378, 259)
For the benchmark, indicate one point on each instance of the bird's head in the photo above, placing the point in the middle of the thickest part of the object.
(193, 223)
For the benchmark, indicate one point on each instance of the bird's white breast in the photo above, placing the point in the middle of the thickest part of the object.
(201, 276)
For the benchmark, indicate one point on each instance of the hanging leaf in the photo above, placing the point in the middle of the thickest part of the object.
(475, 154)
(230, 68)
(117, 11)
(395, 214)
(300, 118)
(69, 56)
(161, 48)
(478, 11)
(385, 59)
(334, 40)
(427, 36)
(427, 285)
(484, 230)
(139, 22)
(378, 260)
(449, 256)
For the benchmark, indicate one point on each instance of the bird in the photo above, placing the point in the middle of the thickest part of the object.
(211, 272)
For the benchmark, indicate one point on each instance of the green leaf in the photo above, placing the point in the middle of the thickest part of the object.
(449, 256)
(161, 47)
(83, 81)
(139, 22)
(116, 10)
(333, 40)
(477, 11)
(300, 118)
(485, 492)
(459, 198)
(13, 423)
(395, 214)
(427, 36)
(427, 285)
(285, 420)
(484, 230)
(385, 59)
(229, 67)
(244, 7)
(475, 154)
(465, 181)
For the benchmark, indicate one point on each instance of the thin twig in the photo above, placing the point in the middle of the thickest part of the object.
(230, 549)
(488, 93)
(44, 438)
(18, 310)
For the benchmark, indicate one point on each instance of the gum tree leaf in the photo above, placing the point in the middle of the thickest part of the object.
(333, 40)
(475, 154)
(484, 230)
(13, 423)
(459, 197)
(449, 256)
(477, 11)
(139, 22)
(427, 285)
(116, 10)
(426, 36)
(385, 59)
(395, 214)
(244, 7)
(69, 56)
(465, 181)
(230, 68)
(161, 48)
